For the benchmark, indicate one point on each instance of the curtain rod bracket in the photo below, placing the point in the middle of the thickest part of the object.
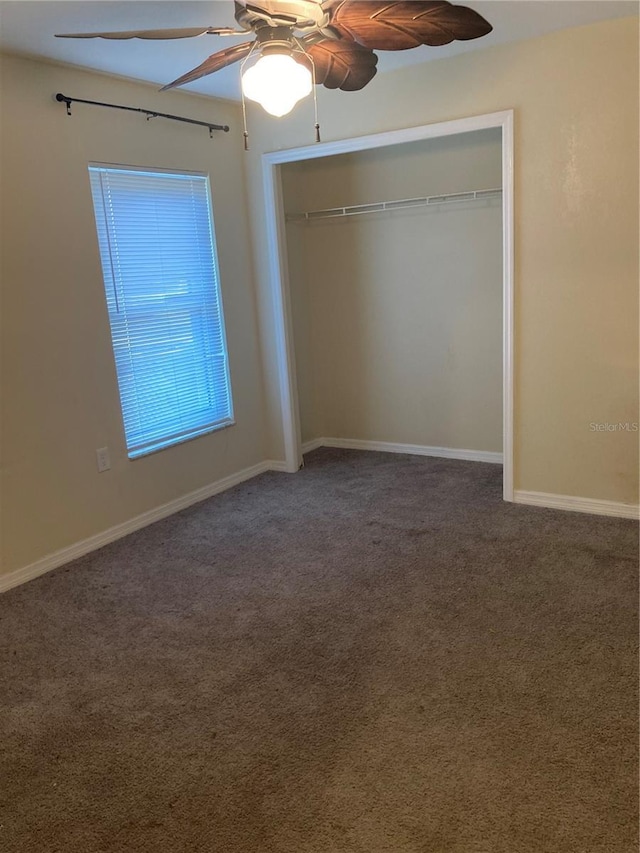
(149, 114)
(61, 97)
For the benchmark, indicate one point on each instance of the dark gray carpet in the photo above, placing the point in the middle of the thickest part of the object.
(376, 655)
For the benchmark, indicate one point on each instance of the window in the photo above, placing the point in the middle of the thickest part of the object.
(157, 246)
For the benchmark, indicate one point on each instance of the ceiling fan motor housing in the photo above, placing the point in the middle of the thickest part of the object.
(275, 40)
(296, 14)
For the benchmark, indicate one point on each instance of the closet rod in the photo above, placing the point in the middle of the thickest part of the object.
(378, 207)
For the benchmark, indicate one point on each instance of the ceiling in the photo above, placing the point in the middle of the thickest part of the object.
(28, 27)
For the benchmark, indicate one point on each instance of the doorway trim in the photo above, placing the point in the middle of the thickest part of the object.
(279, 274)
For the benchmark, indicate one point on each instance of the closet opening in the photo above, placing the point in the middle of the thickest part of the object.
(391, 266)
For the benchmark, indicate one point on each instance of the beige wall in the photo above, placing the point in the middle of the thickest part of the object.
(575, 97)
(59, 392)
(398, 316)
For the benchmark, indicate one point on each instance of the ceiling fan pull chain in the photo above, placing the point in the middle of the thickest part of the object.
(315, 99)
(245, 132)
(303, 50)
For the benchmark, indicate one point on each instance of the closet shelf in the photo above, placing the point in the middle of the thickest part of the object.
(380, 206)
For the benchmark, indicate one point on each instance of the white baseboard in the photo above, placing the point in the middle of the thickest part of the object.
(314, 444)
(415, 449)
(551, 501)
(276, 465)
(79, 549)
(574, 504)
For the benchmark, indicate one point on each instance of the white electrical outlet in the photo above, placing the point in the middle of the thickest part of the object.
(102, 458)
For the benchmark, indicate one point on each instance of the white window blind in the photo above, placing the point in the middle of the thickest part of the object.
(157, 246)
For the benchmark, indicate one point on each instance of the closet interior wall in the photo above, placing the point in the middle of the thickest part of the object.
(397, 315)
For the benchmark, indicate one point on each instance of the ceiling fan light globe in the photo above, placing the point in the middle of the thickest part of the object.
(277, 82)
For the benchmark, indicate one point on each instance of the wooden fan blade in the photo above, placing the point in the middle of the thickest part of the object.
(185, 33)
(341, 64)
(214, 63)
(404, 24)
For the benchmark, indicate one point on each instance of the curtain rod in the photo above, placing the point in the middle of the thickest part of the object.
(149, 113)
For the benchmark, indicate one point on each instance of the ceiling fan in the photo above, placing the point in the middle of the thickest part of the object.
(329, 42)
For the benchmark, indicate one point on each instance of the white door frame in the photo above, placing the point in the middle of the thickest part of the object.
(279, 276)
